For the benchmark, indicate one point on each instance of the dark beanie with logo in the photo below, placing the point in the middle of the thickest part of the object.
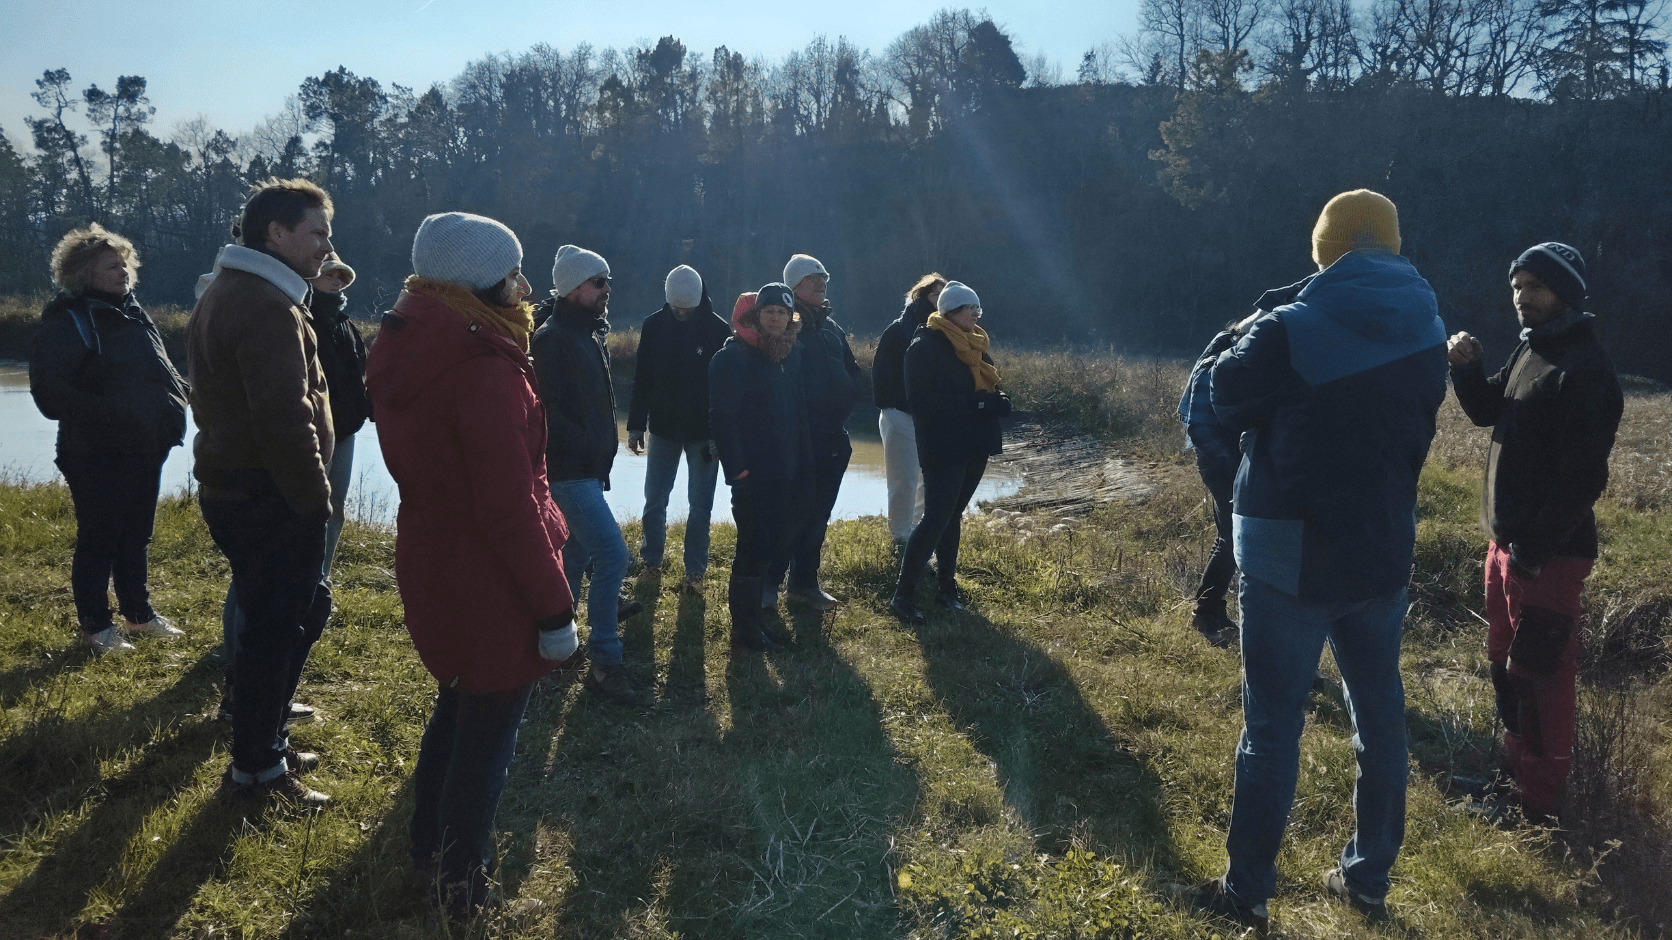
(1559, 266)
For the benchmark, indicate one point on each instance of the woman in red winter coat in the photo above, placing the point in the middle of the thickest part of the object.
(478, 537)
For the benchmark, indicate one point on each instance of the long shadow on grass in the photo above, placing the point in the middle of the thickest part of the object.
(54, 894)
(1062, 769)
(54, 758)
(369, 889)
(197, 856)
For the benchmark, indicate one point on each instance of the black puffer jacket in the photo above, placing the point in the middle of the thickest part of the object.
(954, 422)
(1553, 409)
(888, 369)
(832, 376)
(99, 369)
(758, 410)
(670, 374)
(573, 367)
(342, 357)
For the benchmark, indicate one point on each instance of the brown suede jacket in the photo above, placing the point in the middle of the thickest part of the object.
(258, 393)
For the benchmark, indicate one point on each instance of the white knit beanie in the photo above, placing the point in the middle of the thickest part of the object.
(954, 295)
(574, 265)
(799, 267)
(461, 248)
(683, 287)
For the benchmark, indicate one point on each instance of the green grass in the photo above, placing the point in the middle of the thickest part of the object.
(1040, 767)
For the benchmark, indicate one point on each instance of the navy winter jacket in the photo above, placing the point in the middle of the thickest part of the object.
(831, 374)
(573, 368)
(953, 422)
(888, 366)
(670, 372)
(758, 413)
(1339, 390)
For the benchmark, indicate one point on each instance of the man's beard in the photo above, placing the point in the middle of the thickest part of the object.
(599, 308)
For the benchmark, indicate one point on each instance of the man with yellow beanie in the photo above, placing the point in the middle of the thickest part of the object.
(1337, 393)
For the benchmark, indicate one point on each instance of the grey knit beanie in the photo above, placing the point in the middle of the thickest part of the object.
(461, 248)
(800, 266)
(683, 287)
(574, 265)
(954, 295)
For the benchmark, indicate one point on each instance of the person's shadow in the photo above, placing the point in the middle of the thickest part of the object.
(1063, 771)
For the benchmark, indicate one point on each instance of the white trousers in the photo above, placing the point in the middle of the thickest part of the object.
(905, 477)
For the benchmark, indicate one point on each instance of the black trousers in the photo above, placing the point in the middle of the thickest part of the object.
(1222, 560)
(276, 556)
(766, 513)
(946, 493)
(462, 765)
(115, 498)
(805, 541)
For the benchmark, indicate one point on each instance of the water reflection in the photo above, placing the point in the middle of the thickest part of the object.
(27, 439)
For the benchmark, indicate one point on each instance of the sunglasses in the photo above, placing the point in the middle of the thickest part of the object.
(599, 281)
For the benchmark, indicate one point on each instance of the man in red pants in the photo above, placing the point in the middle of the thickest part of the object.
(1553, 409)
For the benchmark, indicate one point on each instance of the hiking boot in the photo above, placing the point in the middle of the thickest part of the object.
(747, 619)
(1214, 626)
(158, 626)
(692, 586)
(298, 713)
(906, 612)
(1335, 885)
(286, 787)
(108, 640)
(813, 597)
(950, 597)
(300, 761)
(1213, 898)
(629, 606)
(611, 682)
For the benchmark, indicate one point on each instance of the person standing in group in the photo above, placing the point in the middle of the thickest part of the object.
(99, 369)
(670, 394)
(1338, 392)
(955, 405)
(894, 423)
(342, 357)
(833, 387)
(478, 536)
(263, 452)
(758, 410)
(572, 364)
(1554, 409)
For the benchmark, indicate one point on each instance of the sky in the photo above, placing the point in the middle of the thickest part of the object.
(233, 62)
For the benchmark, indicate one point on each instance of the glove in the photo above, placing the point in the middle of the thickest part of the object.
(1001, 404)
(635, 442)
(558, 637)
(1520, 567)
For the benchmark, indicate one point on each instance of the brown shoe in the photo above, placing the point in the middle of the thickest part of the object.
(300, 761)
(287, 787)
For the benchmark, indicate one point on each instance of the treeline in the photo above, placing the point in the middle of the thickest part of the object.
(1142, 201)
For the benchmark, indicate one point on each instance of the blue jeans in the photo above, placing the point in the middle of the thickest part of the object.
(595, 540)
(1282, 639)
(661, 466)
(341, 474)
(275, 553)
(462, 765)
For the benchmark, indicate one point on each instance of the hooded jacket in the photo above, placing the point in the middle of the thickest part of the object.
(670, 372)
(258, 394)
(99, 369)
(1339, 391)
(830, 373)
(342, 357)
(478, 536)
(1554, 409)
(758, 411)
(573, 367)
(888, 367)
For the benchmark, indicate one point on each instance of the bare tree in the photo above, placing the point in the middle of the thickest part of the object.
(1175, 27)
(1228, 24)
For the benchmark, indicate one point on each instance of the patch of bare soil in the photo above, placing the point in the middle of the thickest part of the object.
(1067, 472)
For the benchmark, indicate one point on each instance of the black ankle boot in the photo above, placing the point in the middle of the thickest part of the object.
(743, 596)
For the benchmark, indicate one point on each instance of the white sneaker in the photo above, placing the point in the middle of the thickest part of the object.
(108, 640)
(158, 625)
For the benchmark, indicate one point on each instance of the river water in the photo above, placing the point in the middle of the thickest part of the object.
(27, 445)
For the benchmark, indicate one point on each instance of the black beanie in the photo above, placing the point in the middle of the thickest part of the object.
(775, 293)
(1561, 269)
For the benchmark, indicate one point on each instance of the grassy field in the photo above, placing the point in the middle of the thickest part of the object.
(1040, 766)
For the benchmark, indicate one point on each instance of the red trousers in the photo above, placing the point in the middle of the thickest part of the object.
(1533, 642)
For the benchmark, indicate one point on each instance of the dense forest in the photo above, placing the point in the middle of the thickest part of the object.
(1140, 201)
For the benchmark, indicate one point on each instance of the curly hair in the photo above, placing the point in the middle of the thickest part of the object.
(925, 286)
(281, 201)
(76, 253)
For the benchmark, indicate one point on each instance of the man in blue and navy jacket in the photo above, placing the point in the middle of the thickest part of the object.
(1338, 392)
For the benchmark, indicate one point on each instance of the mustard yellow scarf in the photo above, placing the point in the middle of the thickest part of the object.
(969, 347)
(513, 323)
